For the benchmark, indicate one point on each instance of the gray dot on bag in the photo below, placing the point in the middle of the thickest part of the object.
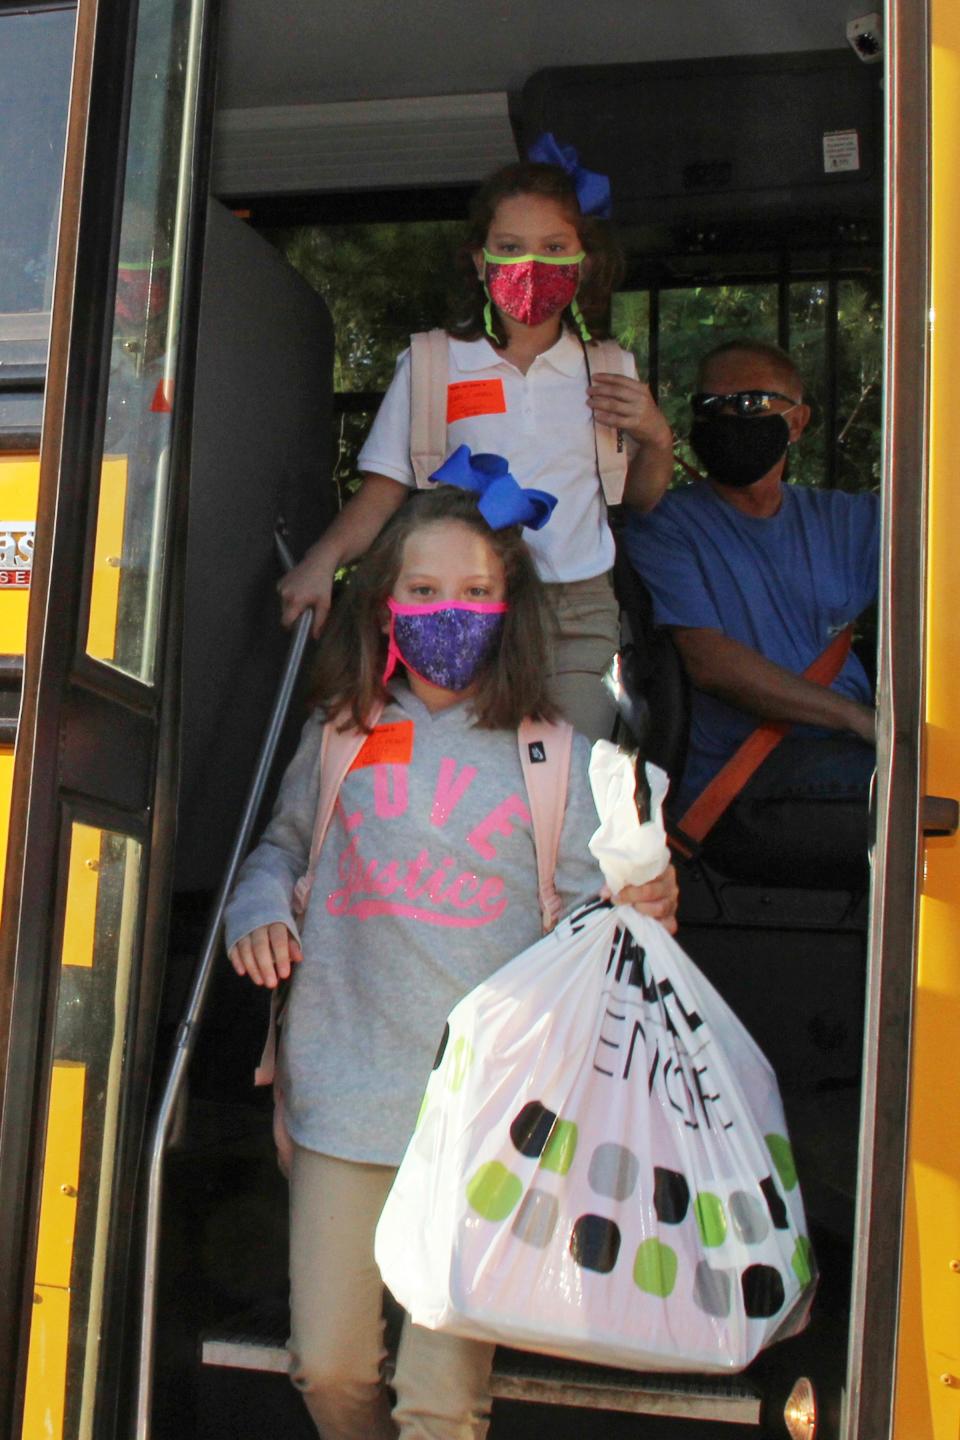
(712, 1289)
(425, 1140)
(536, 1220)
(613, 1171)
(751, 1223)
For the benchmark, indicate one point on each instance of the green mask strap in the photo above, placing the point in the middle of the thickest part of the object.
(488, 321)
(579, 321)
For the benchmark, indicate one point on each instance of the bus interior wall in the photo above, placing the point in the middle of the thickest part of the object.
(791, 962)
(261, 458)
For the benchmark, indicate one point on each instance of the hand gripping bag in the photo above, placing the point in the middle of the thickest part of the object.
(601, 1167)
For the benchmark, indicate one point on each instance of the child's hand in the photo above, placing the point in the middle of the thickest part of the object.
(658, 898)
(309, 583)
(266, 954)
(627, 404)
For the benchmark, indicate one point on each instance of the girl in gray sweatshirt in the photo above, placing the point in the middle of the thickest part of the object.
(425, 884)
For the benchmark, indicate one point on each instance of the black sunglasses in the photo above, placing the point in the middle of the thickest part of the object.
(743, 402)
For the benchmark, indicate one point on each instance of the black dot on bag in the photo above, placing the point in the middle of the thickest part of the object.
(442, 1047)
(763, 1292)
(671, 1195)
(530, 1129)
(778, 1211)
(595, 1243)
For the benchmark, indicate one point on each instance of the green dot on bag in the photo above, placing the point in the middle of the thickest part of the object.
(560, 1148)
(802, 1260)
(711, 1221)
(494, 1191)
(781, 1152)
(655, 1268)
(461, 1058)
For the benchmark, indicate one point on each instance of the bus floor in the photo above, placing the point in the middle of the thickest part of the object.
(224, 1247)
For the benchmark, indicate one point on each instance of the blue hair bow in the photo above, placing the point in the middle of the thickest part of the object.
(502, 501)
(593, 189)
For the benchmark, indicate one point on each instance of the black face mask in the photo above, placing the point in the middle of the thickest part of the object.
(737, 450)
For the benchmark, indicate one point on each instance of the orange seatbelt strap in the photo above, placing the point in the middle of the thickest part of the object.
(726, 785)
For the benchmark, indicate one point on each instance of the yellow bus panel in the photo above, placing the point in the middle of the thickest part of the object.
(105, 590)
(6, 785)
(61, 1175)
(79, 924)
(47, 1373)
(50, 1322)
(19, 480)
(928, 1388)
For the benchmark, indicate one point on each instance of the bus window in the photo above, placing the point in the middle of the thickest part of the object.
(122, 623)
(833, 328)
(90, 1047)
(35, 50)
(381, 283)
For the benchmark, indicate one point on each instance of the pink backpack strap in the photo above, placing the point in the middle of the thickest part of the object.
(545, 760)
(429, 366)
(606, 356)
(338, 750)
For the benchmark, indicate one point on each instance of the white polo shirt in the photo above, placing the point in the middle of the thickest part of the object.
(539, 422)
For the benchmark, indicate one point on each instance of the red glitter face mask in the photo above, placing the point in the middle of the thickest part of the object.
(530, 288)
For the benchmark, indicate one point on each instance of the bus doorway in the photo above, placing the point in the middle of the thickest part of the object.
(327, 123)
(804, 270)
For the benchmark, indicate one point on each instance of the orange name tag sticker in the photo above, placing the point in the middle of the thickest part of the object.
(475, 397)
(390, 744)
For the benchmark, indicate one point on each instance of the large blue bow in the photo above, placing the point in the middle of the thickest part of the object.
(502, 501)
(593, 189)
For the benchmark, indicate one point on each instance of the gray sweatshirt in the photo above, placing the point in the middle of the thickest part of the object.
(426, 884)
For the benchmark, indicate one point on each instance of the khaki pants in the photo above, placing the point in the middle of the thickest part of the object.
(336, 1345)
(587, 636)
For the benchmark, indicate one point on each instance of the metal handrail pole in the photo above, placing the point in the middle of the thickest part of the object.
(187, 1029)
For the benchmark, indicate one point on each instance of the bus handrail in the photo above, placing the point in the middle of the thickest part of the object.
(187, 1029)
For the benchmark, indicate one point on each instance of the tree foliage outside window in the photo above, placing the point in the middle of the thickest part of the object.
(384, 281)
(694, 319)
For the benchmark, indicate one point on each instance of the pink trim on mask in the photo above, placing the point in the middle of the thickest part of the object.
(430, 607)
(397, 607)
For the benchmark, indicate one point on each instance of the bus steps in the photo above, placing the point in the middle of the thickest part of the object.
(255, 1340)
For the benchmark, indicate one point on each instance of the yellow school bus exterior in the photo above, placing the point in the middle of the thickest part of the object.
(88, 792)
(928, 1354)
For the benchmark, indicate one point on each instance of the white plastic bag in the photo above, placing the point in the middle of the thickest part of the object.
(601, 1167)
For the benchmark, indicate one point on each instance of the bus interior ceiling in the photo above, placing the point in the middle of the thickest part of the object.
(374, 112)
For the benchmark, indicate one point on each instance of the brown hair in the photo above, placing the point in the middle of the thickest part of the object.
(601, 272)
(512, 684)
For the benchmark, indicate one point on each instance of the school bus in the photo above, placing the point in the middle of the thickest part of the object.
(166, 409)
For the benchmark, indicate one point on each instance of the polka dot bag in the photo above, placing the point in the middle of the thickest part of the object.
(601, 1167)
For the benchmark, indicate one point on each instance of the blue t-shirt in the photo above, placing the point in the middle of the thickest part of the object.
(784, 585)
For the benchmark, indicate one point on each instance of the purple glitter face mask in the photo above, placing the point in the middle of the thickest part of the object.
(445, 642)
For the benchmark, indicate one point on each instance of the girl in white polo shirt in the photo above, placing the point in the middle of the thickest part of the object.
(538, 274)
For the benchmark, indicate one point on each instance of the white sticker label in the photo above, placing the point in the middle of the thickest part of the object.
(841, 150)
(16, 554)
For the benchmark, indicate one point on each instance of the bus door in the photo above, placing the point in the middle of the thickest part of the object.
(94, 774)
